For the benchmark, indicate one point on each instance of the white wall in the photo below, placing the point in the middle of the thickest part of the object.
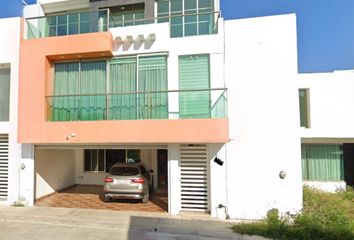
(260, 69)
(330, 99)
(9, 55)
(55, 170)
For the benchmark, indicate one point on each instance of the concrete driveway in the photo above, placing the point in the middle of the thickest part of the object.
(39, 223)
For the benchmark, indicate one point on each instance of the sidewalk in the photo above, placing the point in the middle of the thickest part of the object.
(39, 223)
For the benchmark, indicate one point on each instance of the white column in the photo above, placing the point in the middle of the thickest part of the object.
(27, 175)
(217, 178)
(174, 180)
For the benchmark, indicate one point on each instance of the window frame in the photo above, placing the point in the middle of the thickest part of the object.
(307, 107)
(105, 170)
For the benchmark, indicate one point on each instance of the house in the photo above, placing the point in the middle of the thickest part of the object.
(216, 108)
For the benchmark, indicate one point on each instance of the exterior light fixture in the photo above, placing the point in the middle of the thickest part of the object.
(282, 174)
(218, 161)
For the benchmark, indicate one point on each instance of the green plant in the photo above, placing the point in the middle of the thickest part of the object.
(325, 216)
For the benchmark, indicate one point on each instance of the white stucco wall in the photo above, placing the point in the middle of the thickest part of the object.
(330, 102)
(55, 170)
(9, 55)
(260, 69)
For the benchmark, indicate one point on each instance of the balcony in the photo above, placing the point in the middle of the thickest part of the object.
(67, 24)
(181, 25)
(173, 104)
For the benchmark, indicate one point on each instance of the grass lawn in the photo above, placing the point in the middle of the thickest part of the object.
(325, 216)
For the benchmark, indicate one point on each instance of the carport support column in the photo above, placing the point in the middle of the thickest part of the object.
(27, 177)
(174, 184)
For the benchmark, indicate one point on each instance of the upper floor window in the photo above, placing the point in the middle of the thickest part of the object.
(135, 89)
(304, 108)
(128, 15)
(4, 94)
(187, 17)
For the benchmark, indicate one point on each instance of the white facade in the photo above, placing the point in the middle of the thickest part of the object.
(256, 59)
(261, 70)
(9, 59)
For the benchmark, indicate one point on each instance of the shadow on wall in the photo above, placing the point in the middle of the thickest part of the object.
(54, 170)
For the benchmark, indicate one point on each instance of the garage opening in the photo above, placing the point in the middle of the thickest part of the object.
(74, 177)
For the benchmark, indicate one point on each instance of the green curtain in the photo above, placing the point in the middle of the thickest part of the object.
(322, 162)
(122, 80)
(153, 77)
(66, 82)
(93, 83)
(194, 74)
(4, 94)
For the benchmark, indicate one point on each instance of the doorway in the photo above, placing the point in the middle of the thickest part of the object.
(162, 173)
(348, 156)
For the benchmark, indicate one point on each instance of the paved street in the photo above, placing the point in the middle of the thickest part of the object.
(39, 223)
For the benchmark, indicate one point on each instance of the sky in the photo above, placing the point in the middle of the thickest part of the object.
(325, 28)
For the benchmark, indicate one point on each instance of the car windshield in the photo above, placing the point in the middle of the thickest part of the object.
(124, 171)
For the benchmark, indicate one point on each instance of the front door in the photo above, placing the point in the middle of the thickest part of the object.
(162, 178)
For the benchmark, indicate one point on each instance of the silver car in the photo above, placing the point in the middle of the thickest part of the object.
(127, 181)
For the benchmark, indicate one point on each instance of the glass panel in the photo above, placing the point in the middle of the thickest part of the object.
(87, 160)
(322, 162)
(303, 101)
(163, 7)
(101, 160)
(153, 77)
(205, 26)
(4, 94)
(114, 156)
(205, 4)
(84, 22)
(66, 82)
(94, 161)
(123, 80)
(191, 26)
(176, 6)
(194, 74)
(133, 156)
(93, 83)
(190, 4)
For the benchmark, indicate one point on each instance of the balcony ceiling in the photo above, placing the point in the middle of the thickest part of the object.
(52, 6)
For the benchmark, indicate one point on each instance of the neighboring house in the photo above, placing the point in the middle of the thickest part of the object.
(172, 84)
(327, 129)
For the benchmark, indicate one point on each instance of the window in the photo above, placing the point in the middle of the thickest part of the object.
(94, 160)
(322, 162)
(4, 94)
(304, 108)
(85, 82)
(194, 73)
(82, 90)
(102, 160)
(187, 17)
(129, 16)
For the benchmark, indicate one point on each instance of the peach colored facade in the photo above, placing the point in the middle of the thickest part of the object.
(36, 61)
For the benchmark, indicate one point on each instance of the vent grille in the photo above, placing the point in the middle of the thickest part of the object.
(194, 177)
(4, 166)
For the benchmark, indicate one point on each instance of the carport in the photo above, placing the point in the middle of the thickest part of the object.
(72, 176)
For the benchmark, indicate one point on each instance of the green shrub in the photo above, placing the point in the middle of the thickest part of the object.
(325, 216)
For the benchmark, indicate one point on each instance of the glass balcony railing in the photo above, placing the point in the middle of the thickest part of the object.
(175, 104)
(100, 21)
(67, 24)
(205, 23)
